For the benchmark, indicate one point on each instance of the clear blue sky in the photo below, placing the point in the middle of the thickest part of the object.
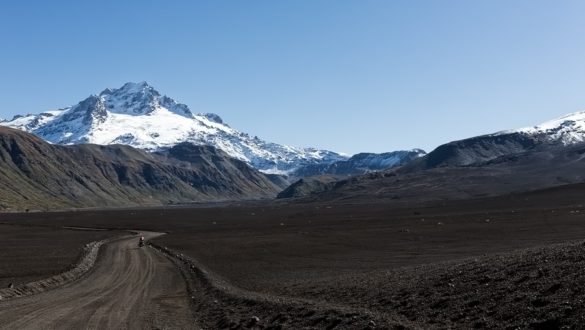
(348, 76)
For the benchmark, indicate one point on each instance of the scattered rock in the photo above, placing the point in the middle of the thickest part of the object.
(254, 320)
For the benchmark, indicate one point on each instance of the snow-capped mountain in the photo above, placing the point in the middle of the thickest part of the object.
(568, 129)
(512, 161)
(138, 115)
(361, 163)
(557, 133)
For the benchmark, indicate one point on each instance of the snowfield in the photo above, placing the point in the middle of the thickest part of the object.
(568, 129)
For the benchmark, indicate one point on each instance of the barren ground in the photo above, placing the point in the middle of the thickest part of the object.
(452, 264)
(30, 253)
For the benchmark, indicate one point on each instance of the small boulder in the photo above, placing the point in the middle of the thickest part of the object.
(254, 320)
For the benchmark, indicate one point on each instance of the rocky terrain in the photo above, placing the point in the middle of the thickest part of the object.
(512, 261)
(538, 288)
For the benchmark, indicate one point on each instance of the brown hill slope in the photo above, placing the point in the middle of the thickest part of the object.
(521, 172)
(37, 175)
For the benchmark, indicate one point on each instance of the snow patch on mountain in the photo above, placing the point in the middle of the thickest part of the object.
(568, 129)
(360, 164)
(384, 160)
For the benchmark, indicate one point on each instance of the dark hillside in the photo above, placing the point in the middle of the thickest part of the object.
(37, 175)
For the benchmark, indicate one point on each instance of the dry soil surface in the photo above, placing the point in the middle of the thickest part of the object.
(32, 253)
(487, 263)
(129, 288)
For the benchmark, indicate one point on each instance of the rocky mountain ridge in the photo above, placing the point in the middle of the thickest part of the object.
(538, 157)
(564, 131)
(37, 175)
(360, 164)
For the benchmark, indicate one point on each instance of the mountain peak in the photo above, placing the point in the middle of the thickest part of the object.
(136, 114)
(139, 84)
(130, 88)
(140, 99)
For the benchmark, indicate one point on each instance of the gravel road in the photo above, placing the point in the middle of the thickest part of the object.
(129, 288)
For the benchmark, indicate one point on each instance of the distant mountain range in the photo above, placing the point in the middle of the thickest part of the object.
(359, 164)
(139, 116)
(564, 131)
(133, 146)
(504, 162)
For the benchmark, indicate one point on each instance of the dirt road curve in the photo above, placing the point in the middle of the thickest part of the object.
(129, 288)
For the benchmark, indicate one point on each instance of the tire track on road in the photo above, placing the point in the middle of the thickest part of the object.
(126, 286)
